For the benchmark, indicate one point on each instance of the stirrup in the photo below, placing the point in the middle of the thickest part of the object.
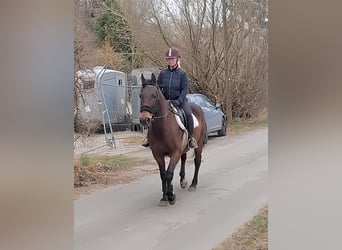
(145, 142)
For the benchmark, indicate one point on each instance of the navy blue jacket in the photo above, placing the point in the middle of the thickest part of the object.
(174, 84)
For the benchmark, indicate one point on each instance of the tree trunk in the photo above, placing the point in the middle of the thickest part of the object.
(228, 87)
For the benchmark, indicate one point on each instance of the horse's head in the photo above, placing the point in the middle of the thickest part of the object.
(148, 99)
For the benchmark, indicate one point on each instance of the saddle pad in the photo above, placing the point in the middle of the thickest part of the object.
(181, 125)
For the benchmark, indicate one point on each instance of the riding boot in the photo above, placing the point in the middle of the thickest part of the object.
(190, 126)
(192, 142)
(145, 142)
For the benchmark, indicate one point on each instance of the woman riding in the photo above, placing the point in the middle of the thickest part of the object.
(174, 84)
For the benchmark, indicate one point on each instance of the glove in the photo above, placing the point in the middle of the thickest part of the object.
(175, 103)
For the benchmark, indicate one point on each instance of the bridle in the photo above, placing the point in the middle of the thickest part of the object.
(151, 109)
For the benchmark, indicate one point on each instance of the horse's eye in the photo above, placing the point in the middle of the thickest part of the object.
(154, 96)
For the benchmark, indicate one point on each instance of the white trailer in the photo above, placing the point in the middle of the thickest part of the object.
(103, 98)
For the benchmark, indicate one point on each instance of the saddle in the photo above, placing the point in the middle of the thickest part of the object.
(182, 122)
(181, 118)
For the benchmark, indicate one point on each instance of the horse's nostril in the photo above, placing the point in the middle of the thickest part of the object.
(145, 121)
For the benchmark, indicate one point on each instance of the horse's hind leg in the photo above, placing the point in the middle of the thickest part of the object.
(197, 161)
(183, 182)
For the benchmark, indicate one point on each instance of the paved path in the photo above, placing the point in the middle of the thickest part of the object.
(232, 187)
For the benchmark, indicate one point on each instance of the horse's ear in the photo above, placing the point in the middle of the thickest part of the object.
(143, 80)
(153, 79)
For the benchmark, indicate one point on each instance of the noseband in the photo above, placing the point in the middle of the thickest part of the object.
(147, 108)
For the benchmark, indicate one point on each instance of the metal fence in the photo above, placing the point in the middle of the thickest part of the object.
(109, 101)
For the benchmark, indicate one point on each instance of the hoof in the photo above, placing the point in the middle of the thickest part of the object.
(192, 188)
(172, 200)
(163, 203)
(184, 184)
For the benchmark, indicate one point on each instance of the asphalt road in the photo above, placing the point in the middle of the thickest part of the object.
(232, 187)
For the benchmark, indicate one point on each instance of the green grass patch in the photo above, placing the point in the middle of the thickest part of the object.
(86, 160)
(252, 235)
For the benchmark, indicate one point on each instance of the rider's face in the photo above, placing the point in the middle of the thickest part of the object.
(172, 61)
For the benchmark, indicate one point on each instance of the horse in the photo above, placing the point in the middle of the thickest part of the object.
(167, 139)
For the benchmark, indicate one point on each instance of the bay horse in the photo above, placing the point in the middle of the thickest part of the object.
(166, 138)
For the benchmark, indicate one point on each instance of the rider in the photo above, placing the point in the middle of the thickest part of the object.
(173, 82)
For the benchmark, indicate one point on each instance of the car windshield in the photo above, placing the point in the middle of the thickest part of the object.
(202, 101)
(206, 102)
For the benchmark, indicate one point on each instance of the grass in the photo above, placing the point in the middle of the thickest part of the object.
(253, 235)
(97, 169)
(237, 127)
(109, 161)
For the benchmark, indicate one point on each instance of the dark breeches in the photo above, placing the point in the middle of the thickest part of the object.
(190, 121)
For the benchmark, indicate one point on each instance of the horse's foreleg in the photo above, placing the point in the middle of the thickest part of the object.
(197, 161)
(170, 194)
(183, 182)
(161, 165)
(169, 176)
(164, 184)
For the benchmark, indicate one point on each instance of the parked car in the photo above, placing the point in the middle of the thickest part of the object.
(216, 120)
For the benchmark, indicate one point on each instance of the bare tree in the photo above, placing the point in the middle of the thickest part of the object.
(228, 89)
(223, 46)
(84, 57)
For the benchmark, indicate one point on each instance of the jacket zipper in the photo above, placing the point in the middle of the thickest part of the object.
(170, 86)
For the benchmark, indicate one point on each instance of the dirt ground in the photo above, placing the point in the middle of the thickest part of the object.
(100, 176)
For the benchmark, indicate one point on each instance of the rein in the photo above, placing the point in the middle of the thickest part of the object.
(161, 116)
